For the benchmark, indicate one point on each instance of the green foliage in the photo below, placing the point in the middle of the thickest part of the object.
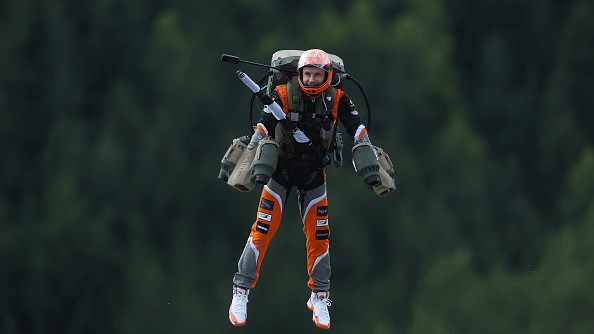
(114, 117)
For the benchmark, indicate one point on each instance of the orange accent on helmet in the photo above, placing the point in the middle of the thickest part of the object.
(316, 58)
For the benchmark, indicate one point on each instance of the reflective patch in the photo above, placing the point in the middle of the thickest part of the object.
(322, 222)
(322, 234)
(263, 227)
(322, 211)
(264, 216)
(354, 112)
(266, 204)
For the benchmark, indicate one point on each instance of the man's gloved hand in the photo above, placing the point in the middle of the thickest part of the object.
(363, 139)
(256, 138)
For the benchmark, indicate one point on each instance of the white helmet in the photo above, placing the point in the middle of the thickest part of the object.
(315, 58)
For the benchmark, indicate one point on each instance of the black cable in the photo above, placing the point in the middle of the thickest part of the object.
(264, 77)
(348, 76)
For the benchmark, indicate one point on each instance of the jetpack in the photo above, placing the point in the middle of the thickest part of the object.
(243, 166)
(283, 67)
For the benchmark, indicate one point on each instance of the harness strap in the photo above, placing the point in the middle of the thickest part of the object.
(311, 177)
(284, 97)
(291, 97)
(282, 93)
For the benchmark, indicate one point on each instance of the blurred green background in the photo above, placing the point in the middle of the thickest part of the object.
(114, 116)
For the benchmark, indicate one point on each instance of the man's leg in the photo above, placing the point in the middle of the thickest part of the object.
(268, 217)
(267, 221)
(314, 212)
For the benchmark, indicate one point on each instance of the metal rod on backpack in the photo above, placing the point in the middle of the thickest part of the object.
(278, 113)
(236, 60)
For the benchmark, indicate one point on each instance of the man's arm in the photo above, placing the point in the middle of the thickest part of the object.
(349, 117)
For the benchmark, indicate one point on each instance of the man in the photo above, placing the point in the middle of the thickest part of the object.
(315, 106)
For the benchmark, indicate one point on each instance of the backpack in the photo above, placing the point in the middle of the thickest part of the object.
(283, 69)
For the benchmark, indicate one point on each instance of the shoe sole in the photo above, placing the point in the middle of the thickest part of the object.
(234, 322)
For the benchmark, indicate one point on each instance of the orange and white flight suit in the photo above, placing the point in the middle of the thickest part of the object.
(306, 174)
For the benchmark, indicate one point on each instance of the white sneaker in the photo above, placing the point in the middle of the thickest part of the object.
(238, 309)
(318, 302)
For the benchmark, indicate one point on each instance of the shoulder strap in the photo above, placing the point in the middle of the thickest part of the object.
(282, 93)
(294, 94)
(337, 96)
(334, 111)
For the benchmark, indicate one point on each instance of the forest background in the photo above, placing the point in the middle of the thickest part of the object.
(114, 116)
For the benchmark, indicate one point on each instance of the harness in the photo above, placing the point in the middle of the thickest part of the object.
(322, 121)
